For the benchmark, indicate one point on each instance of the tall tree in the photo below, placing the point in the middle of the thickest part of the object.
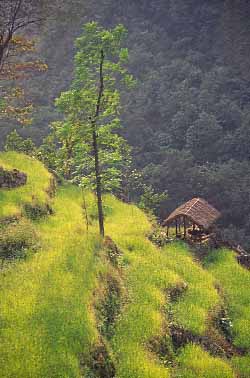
(93, 102)
(15, 17)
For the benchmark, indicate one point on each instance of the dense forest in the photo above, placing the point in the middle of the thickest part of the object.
(188, 117)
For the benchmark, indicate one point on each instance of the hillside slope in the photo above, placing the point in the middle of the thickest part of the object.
(74, 306)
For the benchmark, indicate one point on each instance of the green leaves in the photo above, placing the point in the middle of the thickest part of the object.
(99, 51)
(124, 55)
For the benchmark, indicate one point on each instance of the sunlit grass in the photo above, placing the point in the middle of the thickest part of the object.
(46, 321)
(191, 310)
(11, 200)
(146, 278)
(242, 366)
(196, 363)
(235, 283)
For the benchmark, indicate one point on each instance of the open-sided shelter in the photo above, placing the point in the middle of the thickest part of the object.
(196, 212)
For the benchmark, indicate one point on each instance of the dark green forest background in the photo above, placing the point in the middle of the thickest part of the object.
(188, 118)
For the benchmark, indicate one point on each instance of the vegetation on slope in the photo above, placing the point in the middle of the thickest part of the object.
(146, 279)
(149, 274)
(235, 284)
(192, 309)
(195, 362)
(34, 194)
(48, 321)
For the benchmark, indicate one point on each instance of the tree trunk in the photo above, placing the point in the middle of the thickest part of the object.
(98, 183)
(96, 149)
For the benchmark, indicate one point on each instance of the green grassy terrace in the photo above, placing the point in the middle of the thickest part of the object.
(234, 281)
(48, 321)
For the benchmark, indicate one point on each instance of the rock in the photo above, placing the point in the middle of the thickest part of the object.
(12, 179)
(244, 260)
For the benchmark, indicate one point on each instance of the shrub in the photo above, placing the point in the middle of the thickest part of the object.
(35, 210)
(16, 239)
(158, 236)
(14, 142)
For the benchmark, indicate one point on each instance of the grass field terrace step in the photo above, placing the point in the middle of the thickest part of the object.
(192, 309)
(234, 281)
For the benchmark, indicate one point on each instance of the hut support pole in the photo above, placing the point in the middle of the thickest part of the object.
(167, 231)
(176, 227)
(185, 227)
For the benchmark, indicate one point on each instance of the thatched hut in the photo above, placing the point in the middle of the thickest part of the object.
(197, 213)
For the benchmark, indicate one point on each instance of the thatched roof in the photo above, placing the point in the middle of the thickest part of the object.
(197, 211)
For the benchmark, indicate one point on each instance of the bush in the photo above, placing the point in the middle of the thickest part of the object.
(158, 236)
(36, 210)
(16, 239)
(14, 142)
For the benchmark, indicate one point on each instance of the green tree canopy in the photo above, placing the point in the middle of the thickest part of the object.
(92, 107)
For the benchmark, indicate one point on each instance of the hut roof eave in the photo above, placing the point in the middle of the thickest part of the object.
(198, 211)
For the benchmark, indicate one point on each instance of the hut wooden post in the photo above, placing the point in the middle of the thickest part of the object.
(167, 231)
(176, 227)
(185, 227)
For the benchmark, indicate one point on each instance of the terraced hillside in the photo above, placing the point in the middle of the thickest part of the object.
(72, 305)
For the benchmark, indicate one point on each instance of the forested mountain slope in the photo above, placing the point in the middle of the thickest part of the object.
(75, 306)
(188, 117)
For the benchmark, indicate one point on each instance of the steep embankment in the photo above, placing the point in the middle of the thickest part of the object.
(75, 307)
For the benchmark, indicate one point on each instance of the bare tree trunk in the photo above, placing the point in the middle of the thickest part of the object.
(98, 184)
(96, 150)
